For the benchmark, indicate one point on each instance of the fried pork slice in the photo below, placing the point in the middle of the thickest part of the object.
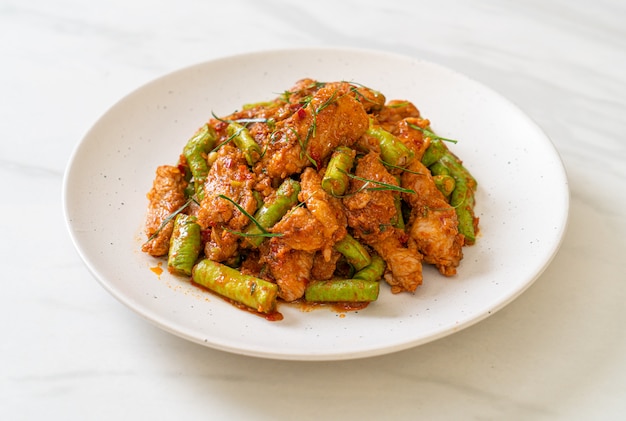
(433, 224)
(395, 111)
(229, 176)
(329, 118)
(290, 256)
(404, 264)
(324, 208)
(290, 269)
(413, 138)
(324, 267)
(166, 196)
(371, 214)
(299, 230)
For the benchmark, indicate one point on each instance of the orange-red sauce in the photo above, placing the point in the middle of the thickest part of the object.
(158, 269)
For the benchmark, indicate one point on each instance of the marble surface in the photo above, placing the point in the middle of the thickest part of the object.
(71, 351)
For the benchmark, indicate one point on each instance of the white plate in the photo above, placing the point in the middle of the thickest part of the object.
(522, 203)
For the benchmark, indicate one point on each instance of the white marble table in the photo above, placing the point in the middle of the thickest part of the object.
(70, 351)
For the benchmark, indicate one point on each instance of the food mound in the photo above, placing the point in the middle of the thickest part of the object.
(314, 196)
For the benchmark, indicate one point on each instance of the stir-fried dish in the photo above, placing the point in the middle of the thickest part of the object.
(317, 195)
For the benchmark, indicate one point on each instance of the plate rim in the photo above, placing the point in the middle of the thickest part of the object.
(101, 278)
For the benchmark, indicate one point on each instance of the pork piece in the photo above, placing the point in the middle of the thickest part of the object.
(324, 267)
(397, 117)
(299, 230)
(324, 208)
(229, 176)
(412, 138)
(394, 118)
(290, 256)
(371, 213)
(331, 117)
(301, 91)
(404, 264)
(394, 112)
(221, 244)
(433, 224)
(166, 196)
(290, 269)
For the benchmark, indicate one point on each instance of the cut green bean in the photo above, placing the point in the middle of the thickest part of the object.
(462, 200)
(439, 169)
(270, 213)
(441, 177)
(458, 170)
(335, 180)
(434, 152)
(462, 197)
(440, 161)
(354, 252)
(432, 158)
(195, 153)
(392, 150)
(445, 184)
(245, 142)
(372, 272)
(255, 293)
(185, 245)
(342, 290)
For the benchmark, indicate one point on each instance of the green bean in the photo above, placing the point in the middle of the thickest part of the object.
(195, 153)
(462, 197)
(255, 293)
(445, 184)
(442, 178)
(441, 160)
(245, 142)
(185, 245)
(434, 152)
(335, 180)
(432, 158)
(270, 213)
(342, 290)
(439, 169)
(354, 252)
(372, 272)
(392, 150)
(458, 170)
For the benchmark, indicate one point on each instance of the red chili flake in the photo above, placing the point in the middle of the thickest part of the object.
(205, 235)
(318, 160)
(301, 113)
(220, 125)
(229, 163)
